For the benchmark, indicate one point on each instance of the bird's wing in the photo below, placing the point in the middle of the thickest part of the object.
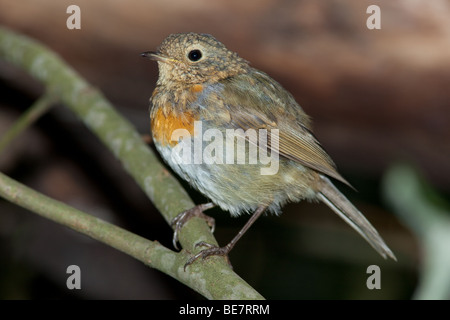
(256, 102)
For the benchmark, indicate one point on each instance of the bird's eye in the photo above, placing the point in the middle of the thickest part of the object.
(195, 55)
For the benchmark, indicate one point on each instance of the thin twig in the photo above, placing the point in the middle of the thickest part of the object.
(41, 106)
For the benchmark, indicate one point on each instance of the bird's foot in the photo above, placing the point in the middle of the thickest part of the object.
(211, 250)
(197, 211)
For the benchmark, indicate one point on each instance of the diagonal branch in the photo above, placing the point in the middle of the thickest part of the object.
(213, 278)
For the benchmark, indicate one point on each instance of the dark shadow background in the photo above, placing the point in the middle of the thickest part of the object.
(376, 97)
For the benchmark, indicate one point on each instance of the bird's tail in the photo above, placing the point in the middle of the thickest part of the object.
(333, 198)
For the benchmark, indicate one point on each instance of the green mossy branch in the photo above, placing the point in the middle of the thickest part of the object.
(212, 278)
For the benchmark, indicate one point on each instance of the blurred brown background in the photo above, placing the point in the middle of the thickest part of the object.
(376, 97)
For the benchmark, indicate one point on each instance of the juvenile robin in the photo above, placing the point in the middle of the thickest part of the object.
(204, 88)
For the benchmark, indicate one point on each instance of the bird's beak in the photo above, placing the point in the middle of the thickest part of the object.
(153, 55)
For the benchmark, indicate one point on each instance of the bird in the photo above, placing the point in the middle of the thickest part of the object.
(208, 93)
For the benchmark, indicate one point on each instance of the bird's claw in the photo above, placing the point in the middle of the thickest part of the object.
(178, 222)
(212, 250)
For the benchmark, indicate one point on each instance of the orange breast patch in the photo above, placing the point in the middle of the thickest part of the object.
(165, 121)
(196, 88)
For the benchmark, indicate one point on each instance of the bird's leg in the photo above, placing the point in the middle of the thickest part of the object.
(213, 250)
(178, 222)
